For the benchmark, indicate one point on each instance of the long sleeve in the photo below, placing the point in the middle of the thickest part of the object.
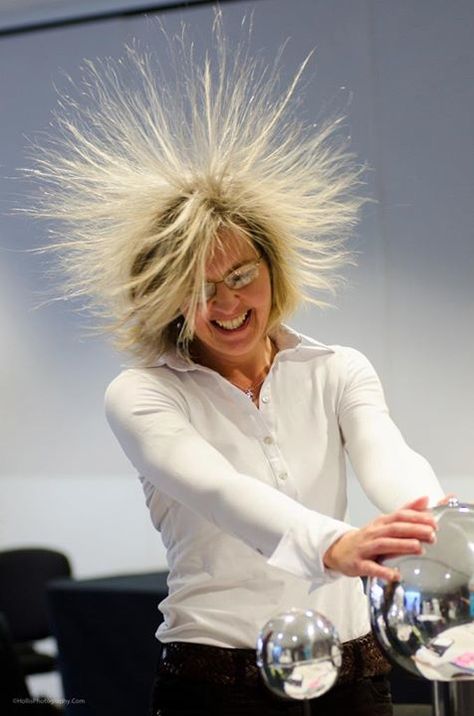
(390, 472)
(151, 424)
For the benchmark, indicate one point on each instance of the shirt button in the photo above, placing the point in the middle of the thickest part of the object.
(283, 475)
(268, 440)
(265, 399)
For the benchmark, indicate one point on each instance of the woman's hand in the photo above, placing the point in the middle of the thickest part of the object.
(355, 554)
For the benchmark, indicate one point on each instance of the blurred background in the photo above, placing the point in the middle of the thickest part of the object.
(403, 75)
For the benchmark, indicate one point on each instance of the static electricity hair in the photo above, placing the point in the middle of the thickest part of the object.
(150, 168)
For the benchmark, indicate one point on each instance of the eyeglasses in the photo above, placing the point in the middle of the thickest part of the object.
(236, 279)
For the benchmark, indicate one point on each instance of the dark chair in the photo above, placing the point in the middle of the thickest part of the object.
(12, 680)
(24, 575)
(15, 697)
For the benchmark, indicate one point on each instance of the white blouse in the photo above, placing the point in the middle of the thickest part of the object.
(248, 499)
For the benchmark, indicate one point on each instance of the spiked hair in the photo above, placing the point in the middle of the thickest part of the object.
(149, 169)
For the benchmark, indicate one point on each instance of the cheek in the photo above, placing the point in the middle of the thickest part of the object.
(263, 295)
(201, 321)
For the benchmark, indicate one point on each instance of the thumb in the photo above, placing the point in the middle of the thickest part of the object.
(421, 503)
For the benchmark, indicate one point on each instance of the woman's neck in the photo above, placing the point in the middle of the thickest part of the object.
(242, 370)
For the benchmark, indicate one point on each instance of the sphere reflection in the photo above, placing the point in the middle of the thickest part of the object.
(299, 654)
(425, 620)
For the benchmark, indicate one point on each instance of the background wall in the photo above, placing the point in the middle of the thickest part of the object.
(402, 73)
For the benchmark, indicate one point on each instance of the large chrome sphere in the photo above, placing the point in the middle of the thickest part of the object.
(425, 621)
(299, 654)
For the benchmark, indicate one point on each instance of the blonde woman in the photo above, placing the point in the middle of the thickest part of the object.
(199, 214)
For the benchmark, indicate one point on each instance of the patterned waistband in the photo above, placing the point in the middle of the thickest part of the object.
(361, 658)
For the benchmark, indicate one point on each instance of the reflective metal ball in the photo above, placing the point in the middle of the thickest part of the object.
(299, 654)
(425, 620)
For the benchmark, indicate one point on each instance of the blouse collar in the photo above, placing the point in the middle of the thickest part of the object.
(286, 339)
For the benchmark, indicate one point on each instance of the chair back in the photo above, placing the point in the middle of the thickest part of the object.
(24, 575)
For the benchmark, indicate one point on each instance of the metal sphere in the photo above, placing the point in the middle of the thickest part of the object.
(299, 654)
(425, 621)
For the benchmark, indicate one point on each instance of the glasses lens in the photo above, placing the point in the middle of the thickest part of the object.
(209, 290)
(242, 276)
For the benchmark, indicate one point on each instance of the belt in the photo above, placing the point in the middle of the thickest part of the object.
(361, 659)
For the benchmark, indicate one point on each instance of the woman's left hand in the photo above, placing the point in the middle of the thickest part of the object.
(357, 552)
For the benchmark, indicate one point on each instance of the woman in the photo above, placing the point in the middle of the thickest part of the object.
(200, 224)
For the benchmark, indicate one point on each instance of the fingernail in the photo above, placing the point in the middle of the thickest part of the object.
(433, 537)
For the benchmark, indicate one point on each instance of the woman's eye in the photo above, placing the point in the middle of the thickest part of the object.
(236, 278)
(241, 278)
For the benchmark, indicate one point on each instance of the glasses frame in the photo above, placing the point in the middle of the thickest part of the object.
(224, 280)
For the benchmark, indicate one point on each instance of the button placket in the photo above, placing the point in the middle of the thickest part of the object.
(265, 393)
(265, 431)
(277, 466)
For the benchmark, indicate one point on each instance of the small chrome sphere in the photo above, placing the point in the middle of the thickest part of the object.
(425, 620)
(299, 654)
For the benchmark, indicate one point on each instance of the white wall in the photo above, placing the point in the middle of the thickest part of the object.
(99, 521)
(407, 72)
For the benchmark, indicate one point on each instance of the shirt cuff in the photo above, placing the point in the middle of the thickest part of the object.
(301, 549)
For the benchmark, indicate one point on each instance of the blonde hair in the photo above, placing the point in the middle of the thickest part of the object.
(147, 171)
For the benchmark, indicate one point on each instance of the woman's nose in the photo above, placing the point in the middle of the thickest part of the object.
(225, 298)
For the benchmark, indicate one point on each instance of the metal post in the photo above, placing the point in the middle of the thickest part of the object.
(441, 698)
(462, 697)
(453, 698)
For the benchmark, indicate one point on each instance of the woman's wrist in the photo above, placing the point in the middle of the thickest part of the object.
(331, 556)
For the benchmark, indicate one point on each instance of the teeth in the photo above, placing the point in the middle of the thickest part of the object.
(235, 323)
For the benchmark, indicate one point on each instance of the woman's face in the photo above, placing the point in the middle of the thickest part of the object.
(231, 328)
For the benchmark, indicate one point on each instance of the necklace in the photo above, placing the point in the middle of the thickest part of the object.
(251, 391)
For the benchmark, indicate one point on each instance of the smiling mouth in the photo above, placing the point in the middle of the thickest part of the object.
(235, 324)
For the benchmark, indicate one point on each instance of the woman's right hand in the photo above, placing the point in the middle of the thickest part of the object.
(355, 554)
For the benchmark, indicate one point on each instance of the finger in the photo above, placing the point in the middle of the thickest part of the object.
(389, 545)
(421, 503)
(369, 568)
(404, 530)
(446, 498)
(412, 516)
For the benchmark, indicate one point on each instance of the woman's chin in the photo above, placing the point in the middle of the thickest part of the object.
(231, 348)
